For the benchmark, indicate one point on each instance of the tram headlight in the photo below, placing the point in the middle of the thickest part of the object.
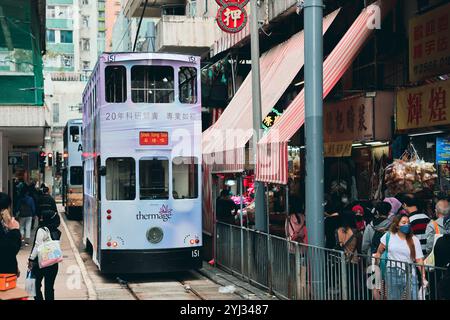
(155, 235)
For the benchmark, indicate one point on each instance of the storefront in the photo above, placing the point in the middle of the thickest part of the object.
(423, 116)
(357, 135)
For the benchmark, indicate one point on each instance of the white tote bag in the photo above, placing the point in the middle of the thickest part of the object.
(49, 252)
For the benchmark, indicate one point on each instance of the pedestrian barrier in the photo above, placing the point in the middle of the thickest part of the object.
(290, 270)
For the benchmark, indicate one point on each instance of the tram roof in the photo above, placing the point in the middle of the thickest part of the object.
(129, 56)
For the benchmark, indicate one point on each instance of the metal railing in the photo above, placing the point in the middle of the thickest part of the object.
(291, 270)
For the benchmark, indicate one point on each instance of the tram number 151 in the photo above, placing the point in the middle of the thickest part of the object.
(195, 253)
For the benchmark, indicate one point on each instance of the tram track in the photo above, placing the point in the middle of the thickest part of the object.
(127, 285)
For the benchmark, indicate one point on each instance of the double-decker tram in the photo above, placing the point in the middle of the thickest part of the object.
(141, 162)
(72, 173)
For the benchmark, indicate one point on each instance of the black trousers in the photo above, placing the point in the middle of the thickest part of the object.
(49, 276)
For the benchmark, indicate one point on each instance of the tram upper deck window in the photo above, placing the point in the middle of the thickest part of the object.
(152, 84)
(187, 78)
(115, 84)
(154, 178)
(75, 134)
(120, 179)
(185, 177)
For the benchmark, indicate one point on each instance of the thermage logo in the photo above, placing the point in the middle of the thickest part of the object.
(164, 214)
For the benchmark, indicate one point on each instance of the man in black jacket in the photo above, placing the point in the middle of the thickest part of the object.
(10, 237)
(45, 202)
(442, 260)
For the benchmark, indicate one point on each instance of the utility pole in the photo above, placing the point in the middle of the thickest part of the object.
(314, 134)
(261, 222)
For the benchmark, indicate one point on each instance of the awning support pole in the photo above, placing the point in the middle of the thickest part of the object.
(260, 213)
(314, 132)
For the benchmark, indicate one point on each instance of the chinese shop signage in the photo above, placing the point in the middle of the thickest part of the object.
(429, 44)
(349, 120)
(423, 107)
(337, 149)
(232, 16)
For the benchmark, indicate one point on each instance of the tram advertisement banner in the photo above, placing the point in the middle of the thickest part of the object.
(425, 106)
(429, 44)
(443, 162)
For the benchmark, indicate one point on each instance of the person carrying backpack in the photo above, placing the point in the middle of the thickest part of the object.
(45, 202)
(49, 226)
(376, 229)
(26, 213)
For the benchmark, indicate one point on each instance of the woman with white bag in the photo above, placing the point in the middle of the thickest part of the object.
(46, 254)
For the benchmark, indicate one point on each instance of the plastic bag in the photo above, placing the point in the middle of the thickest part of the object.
(30, 284)
(227, 289)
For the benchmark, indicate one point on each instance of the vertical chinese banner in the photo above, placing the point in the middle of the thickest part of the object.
(422, 107)
(429, 44)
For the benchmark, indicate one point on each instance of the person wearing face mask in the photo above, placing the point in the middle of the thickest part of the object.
(358, 210)
(436, 227)
(376, 229)
(403, 249)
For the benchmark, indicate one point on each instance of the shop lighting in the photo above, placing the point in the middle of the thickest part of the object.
(299, 83)
(230, 183)
(424, 133)
(357, 145)
(371, 94)
(376, 143)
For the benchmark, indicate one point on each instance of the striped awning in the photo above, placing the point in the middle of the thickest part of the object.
(224, 142)
(272, 155)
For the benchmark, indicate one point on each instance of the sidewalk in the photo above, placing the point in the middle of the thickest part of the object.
(69, 284)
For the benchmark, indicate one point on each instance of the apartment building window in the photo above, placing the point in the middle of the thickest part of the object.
(101, 14)
(85, 2)
(66, 36)
(192, 8)
(86, 65)
(101, 34)
(85, 44)
(65, 12)
(55, 113)
(67, 61)
(51, 12)
(51, 36)
(101, 24)
(85, 21)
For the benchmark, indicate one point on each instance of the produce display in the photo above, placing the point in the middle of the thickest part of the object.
(409, 175)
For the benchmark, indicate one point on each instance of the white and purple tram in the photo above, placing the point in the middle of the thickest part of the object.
(141, 163)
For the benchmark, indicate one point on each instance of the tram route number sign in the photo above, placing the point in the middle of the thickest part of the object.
(232, 16)
(153, 138)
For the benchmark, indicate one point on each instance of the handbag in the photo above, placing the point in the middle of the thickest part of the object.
(30, 284)
(430, 260)
(384, 257)
(49, 252)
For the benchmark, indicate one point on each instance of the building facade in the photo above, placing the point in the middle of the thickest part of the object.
(24, 118)
(75, 37)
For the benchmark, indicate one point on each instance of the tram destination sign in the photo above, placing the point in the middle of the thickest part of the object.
(147, 138)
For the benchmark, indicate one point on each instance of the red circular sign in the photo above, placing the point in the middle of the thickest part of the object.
(243, 3)
(232, 18)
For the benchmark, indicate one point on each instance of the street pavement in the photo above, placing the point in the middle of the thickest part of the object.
(79, 279)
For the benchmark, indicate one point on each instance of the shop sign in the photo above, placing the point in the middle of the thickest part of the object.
(232, 16)
(443, 162)
(425, 106)
(271, 119)
(349, 120)
(429, 44)
(337, 149)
